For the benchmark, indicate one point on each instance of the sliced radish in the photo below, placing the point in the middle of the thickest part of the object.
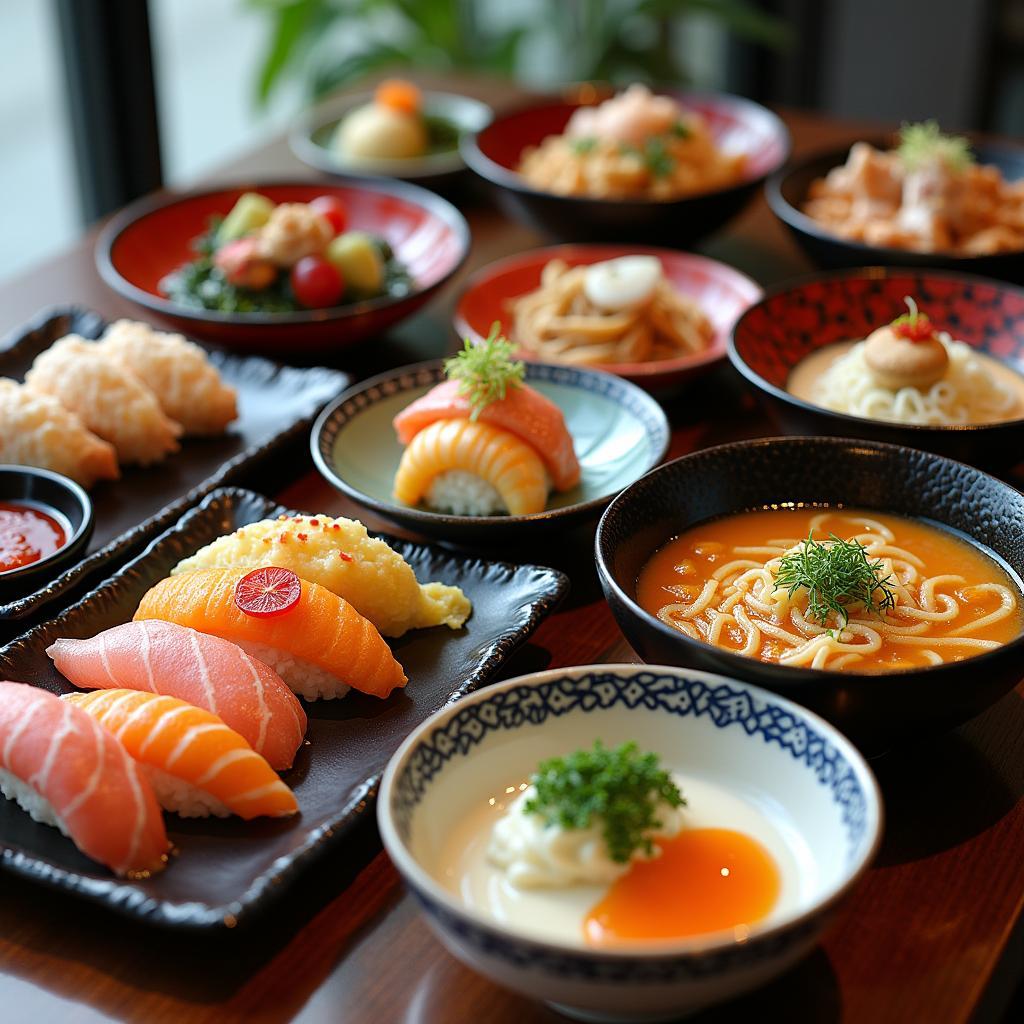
(267, 591)
(622, 283)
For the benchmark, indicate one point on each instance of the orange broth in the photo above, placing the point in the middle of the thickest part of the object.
(677, 572)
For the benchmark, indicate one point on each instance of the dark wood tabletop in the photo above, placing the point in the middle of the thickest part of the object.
(931, 935)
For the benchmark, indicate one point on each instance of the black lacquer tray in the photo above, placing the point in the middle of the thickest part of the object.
(226, 869)
(277, 406)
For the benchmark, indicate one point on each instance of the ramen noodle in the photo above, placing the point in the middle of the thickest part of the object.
(928, 195)
(633, 146)
(723, 583)
(907, 371)
(567, 320)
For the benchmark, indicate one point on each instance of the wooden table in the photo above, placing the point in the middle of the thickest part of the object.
(931, 935)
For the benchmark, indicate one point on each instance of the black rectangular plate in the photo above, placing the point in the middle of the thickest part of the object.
(277, 406)
(226, 868)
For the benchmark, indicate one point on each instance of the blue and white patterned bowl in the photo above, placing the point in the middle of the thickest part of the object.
(783, 762)
(619, 432)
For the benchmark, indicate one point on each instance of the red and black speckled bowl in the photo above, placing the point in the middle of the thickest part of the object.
(738, 125)
(797, 318)
(875, 711)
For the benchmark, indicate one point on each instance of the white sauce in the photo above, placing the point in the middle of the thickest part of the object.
(557, 914)
(536, 855)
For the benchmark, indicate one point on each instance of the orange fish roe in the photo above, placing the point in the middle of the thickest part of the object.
(399, 95)
(314, 522)
(302, 537)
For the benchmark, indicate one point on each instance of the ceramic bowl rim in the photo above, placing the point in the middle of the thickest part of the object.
(634, 371)
(867, 273)
(73, 540)
(802, 677)
(497, 174)
(311, 153)
(793, 217)
(437, 206)
(421, 879)
(414, 514)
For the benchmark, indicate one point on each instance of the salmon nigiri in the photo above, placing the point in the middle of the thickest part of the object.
(485, 386)
(211, 673)
(316, 641)
(66, 770)
(196, 764)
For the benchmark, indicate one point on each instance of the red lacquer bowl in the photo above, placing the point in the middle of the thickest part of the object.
(799, 317)
(152, 237)
(722, 292)
(737, 124)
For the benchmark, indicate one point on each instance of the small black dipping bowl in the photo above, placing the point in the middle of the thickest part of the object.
(737, 124)
(787, 189)
(875, 711)
(58, 497)
(800, 317)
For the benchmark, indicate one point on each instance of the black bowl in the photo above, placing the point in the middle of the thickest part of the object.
(874, 711)
(494, 153)
(787, 189)
(800, 317)
(58, 497)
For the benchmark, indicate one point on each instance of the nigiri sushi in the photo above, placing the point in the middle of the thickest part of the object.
(483, 441)
(196, 764)
(66, 770)
(316, 641)
(340, 555)
(110, 400)
(36, 430)
(211, 673)
(186, 384)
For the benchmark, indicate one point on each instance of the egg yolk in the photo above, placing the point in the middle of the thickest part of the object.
(705, 880)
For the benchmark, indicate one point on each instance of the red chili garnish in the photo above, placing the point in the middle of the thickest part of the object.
(314, 522)
(345, 556)
(269, 591)
(918, 328)
(302, 537)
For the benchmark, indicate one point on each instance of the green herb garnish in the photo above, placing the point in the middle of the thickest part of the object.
(621, 787)
(836, 574)
(680, 131)
(485, 371)
(924, 142)
(583, 146)
(657, 158)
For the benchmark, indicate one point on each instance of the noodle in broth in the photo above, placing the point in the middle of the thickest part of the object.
(717, 583)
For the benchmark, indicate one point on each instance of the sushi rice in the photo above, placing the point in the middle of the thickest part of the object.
(29, 799)
(181, 797)
(464, 494)
(301, 676)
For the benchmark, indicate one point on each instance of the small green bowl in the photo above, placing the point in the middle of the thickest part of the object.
(619, 432)
(312, 140)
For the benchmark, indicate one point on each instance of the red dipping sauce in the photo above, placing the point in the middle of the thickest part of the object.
(27, 535)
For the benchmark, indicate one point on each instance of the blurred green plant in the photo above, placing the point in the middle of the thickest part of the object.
(324, 44)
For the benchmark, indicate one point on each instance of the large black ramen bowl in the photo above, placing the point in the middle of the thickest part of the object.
(874, 711)
(738, 126)
(787, 190)
(800, 317)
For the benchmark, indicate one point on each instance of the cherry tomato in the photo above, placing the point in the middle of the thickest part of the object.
(266, 592)
(333, 210)
(316, 283)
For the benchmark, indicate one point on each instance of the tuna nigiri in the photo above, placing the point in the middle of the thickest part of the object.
(466, 472)
(66, 770)
(318, 643)
(211, 673)
(196, 764)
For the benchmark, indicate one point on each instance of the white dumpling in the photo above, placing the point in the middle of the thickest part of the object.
(36, 430)
(188, 388)
(110, 400)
